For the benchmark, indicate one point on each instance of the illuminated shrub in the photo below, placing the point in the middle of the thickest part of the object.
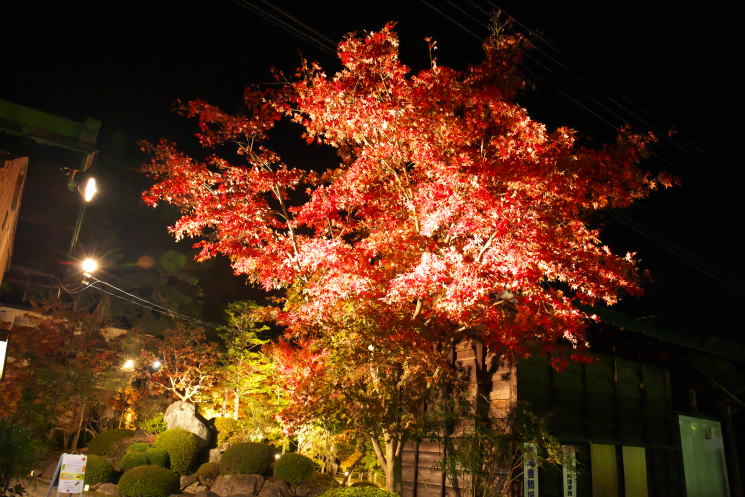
(157, 457)
(148, 481)
(245, 459)
(132, 460)
(294, 468)
(106, 442)
(182, 447)
(98, 470)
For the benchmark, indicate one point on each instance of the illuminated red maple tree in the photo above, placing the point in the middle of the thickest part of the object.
(451, 215)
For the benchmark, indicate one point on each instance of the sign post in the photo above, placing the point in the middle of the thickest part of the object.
(530, 470)
(69, 476)
(3, 354)
(569, 468)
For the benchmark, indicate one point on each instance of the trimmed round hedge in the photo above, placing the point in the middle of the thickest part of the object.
(132, 460)
(358, 492)
(138, 447)
(182, 447)
(208, 472)
(245, 458)
(294, 468)
(226, 428)
(157, 457)
(148, 481)
(98, 470)
(106, 442)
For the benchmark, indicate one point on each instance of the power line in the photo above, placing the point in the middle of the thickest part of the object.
(146, 303)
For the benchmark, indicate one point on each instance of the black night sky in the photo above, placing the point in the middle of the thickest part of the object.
(595, 66)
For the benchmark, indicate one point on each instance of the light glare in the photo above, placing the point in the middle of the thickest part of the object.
(128, 365)
(156, 364)
(89, 265)
(90, 190)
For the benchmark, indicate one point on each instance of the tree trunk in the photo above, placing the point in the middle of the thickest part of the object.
(390, 461)
(236, 404)
(75, 440)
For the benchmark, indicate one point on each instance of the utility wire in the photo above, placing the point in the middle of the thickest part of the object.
(146, 303)
(300, 32)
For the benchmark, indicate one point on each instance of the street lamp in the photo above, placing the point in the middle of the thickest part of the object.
(89, 266)
(90, 189)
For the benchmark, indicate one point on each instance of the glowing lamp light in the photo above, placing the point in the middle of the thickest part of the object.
(89, 265)
(157, 364)
(277, 456)
(128, 365)
(90, 190)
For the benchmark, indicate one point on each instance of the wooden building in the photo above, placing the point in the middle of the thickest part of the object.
(630, 435)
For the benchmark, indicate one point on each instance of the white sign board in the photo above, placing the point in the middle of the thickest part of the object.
(72, 473)
(530, 470)
(569, 468)
(3, 353)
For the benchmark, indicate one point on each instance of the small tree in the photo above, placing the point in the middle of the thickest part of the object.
(188, 364)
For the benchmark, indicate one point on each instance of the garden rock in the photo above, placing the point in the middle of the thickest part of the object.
(108, 489)
(187, 480)
(194, 488)
(215, 455)
(307, 490)
(205, 493)
(184, 415)
(275, 488)
(232, 485)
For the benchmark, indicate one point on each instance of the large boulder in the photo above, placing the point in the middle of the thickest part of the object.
(275, 488)
(230, 485)
(184, 415)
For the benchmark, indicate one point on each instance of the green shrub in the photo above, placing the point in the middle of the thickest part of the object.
(294, 468)
(157, 457)
(106, 442)
(226, 428)
(208, 472)
(363, 484)
(133, 459)
(154, 424)
(148, 481)
(98, 470)
(138, 447)
(358, 492)
(182, 447)
(245, 458)
(17, 454)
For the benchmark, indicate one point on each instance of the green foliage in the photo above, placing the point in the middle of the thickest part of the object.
(358, 491)
(98, 470)
(154, 424)
(106, 442)
(157, 457)
(132, 460)
(148, 481)
(492, 445)
(245, 458)
(208, 472)
(17, 453)
(138, 447)
(226, 428)
(182, 447)
(294, 468)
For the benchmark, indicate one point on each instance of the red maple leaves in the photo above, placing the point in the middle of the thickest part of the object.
(452, 210)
